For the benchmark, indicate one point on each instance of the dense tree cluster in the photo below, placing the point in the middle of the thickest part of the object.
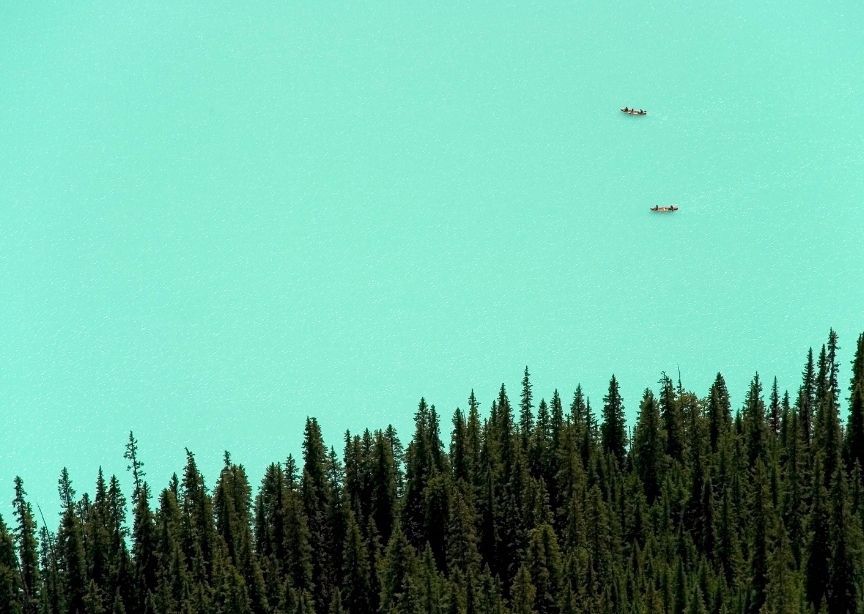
(548, 511)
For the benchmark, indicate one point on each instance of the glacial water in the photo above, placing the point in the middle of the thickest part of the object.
(216, 220)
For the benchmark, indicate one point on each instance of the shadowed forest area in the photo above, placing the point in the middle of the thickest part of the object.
(547, 506)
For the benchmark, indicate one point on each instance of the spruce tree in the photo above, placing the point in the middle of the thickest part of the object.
(673, 420)
(844, 579)
(613, 435)
(396, 572)
(70, 549)
(855, 427)
(316, 498)
(806, 399)
(719, 412)
(762, 522)
(648, 446)
(11, 591)
(753, 415)
(524, 592)
(526, 417)
(819, 549)
(774, 410)
(355, 580)
(28, 553)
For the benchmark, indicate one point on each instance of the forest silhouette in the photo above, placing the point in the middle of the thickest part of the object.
(532, 506)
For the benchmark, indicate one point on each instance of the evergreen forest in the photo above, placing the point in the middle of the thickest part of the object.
(530, 505)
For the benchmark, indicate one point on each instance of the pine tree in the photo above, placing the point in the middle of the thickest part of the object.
(197, 526)
(421, 466)
(70, 549)
(540, 443)
(774, 410)
(762, 521)
(28, 553)
(437, 504)
(785, 591)
(673, 420)
(524, 592)
(11, 591)
(828, 436)
(794, 504)
(855, 428)
(526, 417)
(356, 586)
(396, 572)
(753, 415)
(648, 446)
(546, 569)
(614, 437)
(844, 580)
(384, 481)
(316, 496)
(819, 548)
(719, 412)
(806, 399)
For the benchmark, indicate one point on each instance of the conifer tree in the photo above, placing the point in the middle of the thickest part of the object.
(316, 496)
(28, 553)
(421, 466)
(719, 412)
(819, 548)
(614, 437)
(473, 444)
(794, 504)
(855, 428)
(10, 580)
(70, 547)
(754, 419)
(546, 569)
(648, 446)
(806, 399)
(774, 410)
(526, 417)
(384, 481)
(396, 572)
(356, 586)
(524, 592)
(673, 420)
(844, 580)
(785, 592)
(540, 443)
(197, 526)
(762, 521)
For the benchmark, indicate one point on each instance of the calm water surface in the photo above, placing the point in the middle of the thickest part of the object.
(217, 220)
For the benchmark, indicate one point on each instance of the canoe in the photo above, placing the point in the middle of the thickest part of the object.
(664, 209)
(633, 111)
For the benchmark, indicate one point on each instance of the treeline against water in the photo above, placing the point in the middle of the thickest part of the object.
(528, 508)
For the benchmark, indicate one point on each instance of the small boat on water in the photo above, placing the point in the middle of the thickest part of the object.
(664, 208)
(630, 111)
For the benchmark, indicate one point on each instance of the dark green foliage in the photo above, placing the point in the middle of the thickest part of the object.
(673, 419)
(648, 446)
(11, 593)
(526, 417)
(754, 421)
(806, 399)
(28, 553)
(542, 513)
(855, 428)
(613, 434)
(719, 412)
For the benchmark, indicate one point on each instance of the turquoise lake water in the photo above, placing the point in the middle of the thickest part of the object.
(216, 220)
